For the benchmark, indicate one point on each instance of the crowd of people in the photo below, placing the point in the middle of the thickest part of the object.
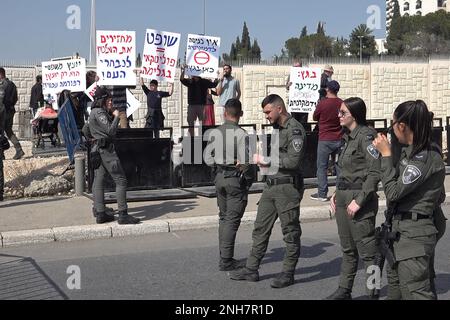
(413, 181)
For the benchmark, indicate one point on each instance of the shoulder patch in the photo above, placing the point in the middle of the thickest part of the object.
(370, 137)
(103, 119)
(411, 174)
(297, 143)
(373, 151)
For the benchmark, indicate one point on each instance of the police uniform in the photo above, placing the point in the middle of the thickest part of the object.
(102, 129)
(2, 156)
(415, 187)
(281, 199)
(359, 166)
(231, 144)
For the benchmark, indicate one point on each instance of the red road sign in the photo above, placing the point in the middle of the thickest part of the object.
(202, 58)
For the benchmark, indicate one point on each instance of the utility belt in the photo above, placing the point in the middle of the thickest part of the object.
(344, 185)
(229, 172)
(410, 216)
(298, 182)
(103, 143)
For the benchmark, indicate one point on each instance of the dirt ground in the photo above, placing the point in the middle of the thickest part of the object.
(20, 173)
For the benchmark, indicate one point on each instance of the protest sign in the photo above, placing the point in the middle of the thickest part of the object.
(304, 91)
(90, 92)
(116, 58)
(202, 56)
(63, 75)
(160, 55)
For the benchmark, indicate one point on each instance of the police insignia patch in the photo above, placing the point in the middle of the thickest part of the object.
(373, 151)
(411, 174)
(370, 137)
(103, 120)
(298, 144)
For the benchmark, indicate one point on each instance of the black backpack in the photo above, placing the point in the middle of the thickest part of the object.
(11, 97)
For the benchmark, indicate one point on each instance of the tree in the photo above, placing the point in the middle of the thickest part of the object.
(320, 29)
(138, 61)
(367, 41)
(256, 51)
(420, 36)
(243, 48)
(304, 32)
(340, 47)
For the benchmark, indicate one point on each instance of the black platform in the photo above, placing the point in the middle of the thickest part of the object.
(148, 195)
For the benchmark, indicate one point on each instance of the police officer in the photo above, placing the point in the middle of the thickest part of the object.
(355, 202)
(102, 127)
(228, 152)
(281, 199)
(416, 187)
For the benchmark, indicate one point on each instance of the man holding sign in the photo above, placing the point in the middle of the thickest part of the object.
(197, 93)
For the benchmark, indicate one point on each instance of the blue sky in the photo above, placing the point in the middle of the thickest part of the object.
(36, 30)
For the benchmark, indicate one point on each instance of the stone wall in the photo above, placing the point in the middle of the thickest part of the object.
(382, 85)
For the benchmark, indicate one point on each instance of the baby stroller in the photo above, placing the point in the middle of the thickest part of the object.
(47, 129)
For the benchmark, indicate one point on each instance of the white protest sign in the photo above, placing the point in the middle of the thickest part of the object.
(202, 56)
(90, 92)
(116, 58)
(160, 56)
(133, 104)
(304, 91)
(63, 75)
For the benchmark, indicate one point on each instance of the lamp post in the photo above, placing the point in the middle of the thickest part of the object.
(204, 17)
(360, 48)
(93, 39)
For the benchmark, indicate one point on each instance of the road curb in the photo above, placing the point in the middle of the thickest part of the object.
(113, 230)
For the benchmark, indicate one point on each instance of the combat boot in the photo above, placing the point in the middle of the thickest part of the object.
(340, 294)
(109, 211)
(104, 218)
(230, 264)
(245, 274)
(125, 218)
(283, 280)
(19, 154)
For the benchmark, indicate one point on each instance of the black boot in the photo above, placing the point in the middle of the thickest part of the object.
(19, 154)
(283, 280)
(104, 218)
(230, 264)
(1, 197)
(109, 211)
(340, 294)
(245, 274)
(125, 218)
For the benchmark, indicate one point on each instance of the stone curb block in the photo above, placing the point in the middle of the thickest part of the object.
(92, 232)
(193, 223)
(18, 238)
(145, 228)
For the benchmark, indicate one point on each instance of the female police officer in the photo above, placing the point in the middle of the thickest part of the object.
(415, 186)
(355, 202)
(102, 128)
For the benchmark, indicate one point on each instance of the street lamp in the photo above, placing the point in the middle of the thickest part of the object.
(93, 39)
(204, 17)
(360, 48)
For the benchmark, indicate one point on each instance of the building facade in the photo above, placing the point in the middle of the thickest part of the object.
(414, 7)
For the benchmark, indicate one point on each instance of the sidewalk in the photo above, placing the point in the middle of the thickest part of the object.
(70, 219)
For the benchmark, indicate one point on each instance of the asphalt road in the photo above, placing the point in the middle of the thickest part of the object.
(181, 266)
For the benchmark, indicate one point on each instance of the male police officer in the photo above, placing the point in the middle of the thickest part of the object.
(228, 152)
(101, 129)
(281, 199)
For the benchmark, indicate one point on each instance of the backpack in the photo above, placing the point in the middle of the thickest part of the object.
(11, 97)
